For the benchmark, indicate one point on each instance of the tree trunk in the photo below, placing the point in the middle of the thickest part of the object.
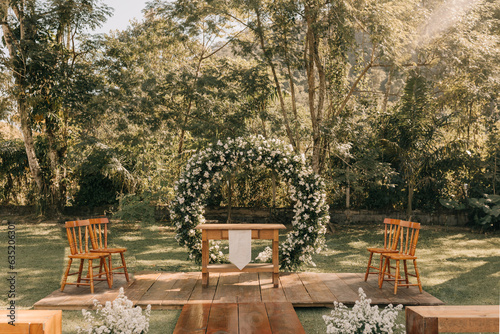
(387, 91)
(55, 203)
(260, 34)
(29, 145)
(314, 68)
(409, 211)
(188, 111)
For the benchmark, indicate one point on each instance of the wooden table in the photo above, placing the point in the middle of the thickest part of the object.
(221, 232)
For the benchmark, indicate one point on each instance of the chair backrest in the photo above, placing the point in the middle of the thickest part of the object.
(77, 232)
(391, 233)
(99, 232)
(409, 237)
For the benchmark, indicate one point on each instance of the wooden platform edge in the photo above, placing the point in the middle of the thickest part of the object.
(300, 289)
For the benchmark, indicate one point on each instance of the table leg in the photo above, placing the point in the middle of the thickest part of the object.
(276, 259)
(204, 258)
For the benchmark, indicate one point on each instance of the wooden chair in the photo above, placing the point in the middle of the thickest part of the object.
(78, 233)
(408, 244)
(99, 230)
(391, 238)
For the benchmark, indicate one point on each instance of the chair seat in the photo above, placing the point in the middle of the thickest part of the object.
(401, 257)
(382, 250)
(88, 256)
(109, 250)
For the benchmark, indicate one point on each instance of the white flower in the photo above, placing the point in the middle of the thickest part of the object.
(363, 317)
(117, 317)
(196, 180)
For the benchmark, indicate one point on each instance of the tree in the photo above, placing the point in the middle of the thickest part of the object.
(43, 59)
(410, 133)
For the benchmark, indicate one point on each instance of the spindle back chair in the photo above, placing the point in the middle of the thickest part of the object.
(409, 233)
(100, 230)
(78, 238)
(391, 238)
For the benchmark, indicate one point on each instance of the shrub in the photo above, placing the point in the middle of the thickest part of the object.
(363, 318)
(117, 317)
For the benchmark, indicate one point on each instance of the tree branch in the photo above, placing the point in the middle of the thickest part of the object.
(358, 79)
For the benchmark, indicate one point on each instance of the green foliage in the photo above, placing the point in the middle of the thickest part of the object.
(101, 177)
(133, 208)
(484, 212)
(13, 171)
(395, 103)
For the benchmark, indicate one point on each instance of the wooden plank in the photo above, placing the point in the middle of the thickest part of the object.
(249, 288)
(163, 291)
(193, 319)
(76, 298)
(155, 295)
(416, 324)
(319, 292)
(227, 291)
(19, 328)
(182, 289)
(32, 322)
(252, 318)
(138, 288)
(223, 318)
(240, 227)
(340, 290)
(249, 268)
(224, 235)
(275, 258)
(110, 295)
(283, 319)
(204, 258)
(204, 295)
(295, 291)
(55, 298)
(404, 296)
(355, 282)
(453, 318)
(268, 292)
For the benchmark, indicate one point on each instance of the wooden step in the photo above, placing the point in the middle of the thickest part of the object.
(452, 318)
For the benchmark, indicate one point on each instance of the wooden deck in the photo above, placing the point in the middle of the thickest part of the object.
(259, 318)
(167, 290)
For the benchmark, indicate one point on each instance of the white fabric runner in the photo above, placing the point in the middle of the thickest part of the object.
(240, 247)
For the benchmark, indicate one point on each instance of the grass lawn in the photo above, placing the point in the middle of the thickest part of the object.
(456, 266)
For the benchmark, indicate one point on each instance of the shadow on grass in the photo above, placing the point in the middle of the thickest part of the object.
(456, 266)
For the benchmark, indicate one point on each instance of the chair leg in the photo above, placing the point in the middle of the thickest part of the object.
(125, 266)
(381, 275)
(110, 269)
(367, 268)
(396, 278)
(100, 267)
(79, 279)
(406, 274)
(65, 277)
(108, 274)
(91, 276)
(418, 275)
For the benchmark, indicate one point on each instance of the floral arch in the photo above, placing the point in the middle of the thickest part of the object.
(209, 166)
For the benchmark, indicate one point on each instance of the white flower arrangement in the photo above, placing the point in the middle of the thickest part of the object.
(117, 317)
(209, 167)
(363, 318)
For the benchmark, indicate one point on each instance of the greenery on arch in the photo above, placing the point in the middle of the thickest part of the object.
(211, 165)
